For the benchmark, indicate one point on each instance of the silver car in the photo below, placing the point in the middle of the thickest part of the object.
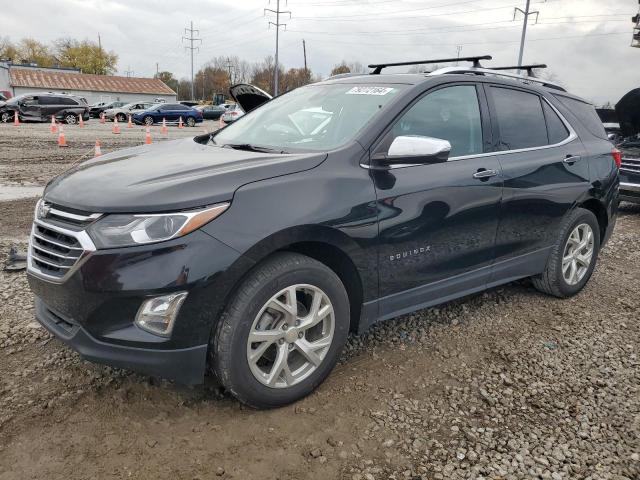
(122, 113)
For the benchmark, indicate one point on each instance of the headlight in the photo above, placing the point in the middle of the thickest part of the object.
(119, 230)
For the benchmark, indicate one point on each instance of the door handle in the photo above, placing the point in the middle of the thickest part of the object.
(484, 174)
(571, 159)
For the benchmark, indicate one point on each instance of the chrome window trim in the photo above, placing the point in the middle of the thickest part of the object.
(572, 136)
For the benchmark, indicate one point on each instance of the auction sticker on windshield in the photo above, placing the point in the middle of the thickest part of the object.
(369, 91)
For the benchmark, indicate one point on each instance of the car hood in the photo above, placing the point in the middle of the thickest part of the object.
(168, 176)
(248, 96)
(628, 112)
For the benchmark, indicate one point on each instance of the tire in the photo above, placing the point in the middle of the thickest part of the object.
(553, 279)
(121, 117)
(70, 118)
(230, 348)
(191, 122)
(148, 120)
(5, 117)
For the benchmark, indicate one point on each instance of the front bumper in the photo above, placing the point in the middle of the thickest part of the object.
(185, 365)
(94, 307)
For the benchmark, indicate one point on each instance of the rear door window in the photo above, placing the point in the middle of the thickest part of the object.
(520, 119)
(556, 129)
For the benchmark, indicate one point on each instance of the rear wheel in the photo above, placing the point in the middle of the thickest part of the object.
(282, 332)
(148, 120)
(121, 117)
(191, 122)
(70, 118)
(573, 257)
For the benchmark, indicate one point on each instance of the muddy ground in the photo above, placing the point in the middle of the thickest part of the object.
(507, 384)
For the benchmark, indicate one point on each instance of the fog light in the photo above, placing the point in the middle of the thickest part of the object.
(157, 315)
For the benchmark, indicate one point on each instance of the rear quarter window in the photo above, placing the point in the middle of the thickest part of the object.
(586, 114)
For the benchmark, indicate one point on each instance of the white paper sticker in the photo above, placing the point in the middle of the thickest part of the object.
(369, 90)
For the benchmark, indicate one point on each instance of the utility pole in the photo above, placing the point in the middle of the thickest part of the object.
(128, 72)
(277, 24)
(229, 66)
(458, 49)
(304, 50)
(191, 38)
(99, 41)
(157, 69)
(526, 14)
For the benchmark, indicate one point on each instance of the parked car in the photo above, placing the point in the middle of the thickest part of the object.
(628, 114)
(189, 103)
(41, 107)
(233, 113)
(171, 112)
(98, 108)
(211, 112)
(122, 113)
(251, 252)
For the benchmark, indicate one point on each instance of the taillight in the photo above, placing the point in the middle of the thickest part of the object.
(617, 157)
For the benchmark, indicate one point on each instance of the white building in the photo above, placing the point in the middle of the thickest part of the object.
(21, 79)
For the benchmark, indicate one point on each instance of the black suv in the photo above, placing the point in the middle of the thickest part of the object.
(41, 107)
(253, 251)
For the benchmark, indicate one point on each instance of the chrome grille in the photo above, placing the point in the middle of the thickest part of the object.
(58, 241)
(630, 164)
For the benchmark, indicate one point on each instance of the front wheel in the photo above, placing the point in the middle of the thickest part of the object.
(282, 332)
(148, 120)
(70, 119)
(573, 257)
(5, 117)
(191, 122)
(121, 117)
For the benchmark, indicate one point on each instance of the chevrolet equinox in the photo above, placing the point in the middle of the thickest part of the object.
(252, 252)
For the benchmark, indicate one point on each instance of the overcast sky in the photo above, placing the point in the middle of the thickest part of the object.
(584, 42)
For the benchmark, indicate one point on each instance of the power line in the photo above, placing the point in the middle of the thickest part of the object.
(191, 38)
(277, 24)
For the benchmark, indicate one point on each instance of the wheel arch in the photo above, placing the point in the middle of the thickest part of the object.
(327, 245)
(600, 212)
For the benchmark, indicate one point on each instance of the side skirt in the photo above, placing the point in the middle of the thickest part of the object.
(443, 291)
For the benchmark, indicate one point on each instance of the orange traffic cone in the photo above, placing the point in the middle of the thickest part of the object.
(81, 124)
(164, 130)
(130, 124)
(54, 126)
(147, 137)
(97, 151)
(16, 120)
(116, 127)
(62, 142)
(180, 125)
(102, 117)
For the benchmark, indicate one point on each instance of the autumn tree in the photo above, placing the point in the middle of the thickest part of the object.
(8, 50)
(87, 56)
(168, 79)
(33, 51)
(340, 69)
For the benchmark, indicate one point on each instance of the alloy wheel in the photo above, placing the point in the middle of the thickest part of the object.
(121, 118)
(578, 254)
(191, 121)
(70, 119)
(5, 117)
(148, 120)
(290, 336)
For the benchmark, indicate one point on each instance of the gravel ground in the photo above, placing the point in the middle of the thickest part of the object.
(508, 384)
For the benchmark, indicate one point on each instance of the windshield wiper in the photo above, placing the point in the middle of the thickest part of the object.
(252, 148)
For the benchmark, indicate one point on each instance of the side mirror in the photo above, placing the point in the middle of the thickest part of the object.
(417, 149)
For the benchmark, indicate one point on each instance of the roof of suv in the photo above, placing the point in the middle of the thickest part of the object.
(419, 78)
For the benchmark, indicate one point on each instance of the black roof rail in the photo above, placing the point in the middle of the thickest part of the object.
(528, 68)
(475, 60)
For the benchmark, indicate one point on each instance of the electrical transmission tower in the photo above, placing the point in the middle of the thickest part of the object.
(635, 39)
(277, 24)
(526, 12)
(191, 38)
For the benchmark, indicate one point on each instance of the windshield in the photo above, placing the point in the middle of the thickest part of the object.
(315, 117)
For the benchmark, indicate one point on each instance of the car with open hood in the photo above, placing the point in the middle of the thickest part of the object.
(251, 252)
(628, 113)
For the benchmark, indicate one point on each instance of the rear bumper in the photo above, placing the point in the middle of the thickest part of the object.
(629, 192)
(186, 365)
